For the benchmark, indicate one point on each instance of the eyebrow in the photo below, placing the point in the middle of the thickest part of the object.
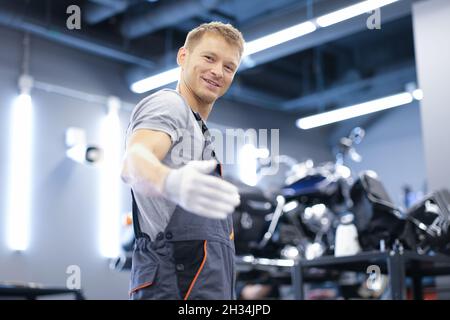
(215, 55)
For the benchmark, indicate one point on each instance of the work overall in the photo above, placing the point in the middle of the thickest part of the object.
(192, 259)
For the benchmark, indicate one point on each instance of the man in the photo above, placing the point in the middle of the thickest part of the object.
(182, 208)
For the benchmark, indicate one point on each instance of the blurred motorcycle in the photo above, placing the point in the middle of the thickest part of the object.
(299, 221)
(321, 195)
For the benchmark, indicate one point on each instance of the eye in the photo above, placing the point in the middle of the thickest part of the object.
(208, 58)
(231, 69)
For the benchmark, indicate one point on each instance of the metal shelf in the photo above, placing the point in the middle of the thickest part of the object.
(397, 264)
(31, 293)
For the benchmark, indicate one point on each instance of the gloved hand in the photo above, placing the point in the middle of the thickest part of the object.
(192, 188)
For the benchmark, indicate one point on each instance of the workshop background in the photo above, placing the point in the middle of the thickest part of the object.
(68, 86)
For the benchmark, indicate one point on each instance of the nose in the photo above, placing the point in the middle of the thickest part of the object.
(217, 70)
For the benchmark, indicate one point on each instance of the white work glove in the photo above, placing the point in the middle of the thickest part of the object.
(192, 188)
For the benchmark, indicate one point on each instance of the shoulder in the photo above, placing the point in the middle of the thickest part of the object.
(165, 101)
(166, 97)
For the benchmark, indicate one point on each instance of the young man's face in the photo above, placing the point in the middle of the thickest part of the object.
(208, 69)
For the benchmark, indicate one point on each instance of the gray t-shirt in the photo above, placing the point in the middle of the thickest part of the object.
(167, 111)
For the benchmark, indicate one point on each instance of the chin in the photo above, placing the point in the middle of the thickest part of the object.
(209, 97)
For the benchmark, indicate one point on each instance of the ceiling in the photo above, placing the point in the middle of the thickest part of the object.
(333, 67)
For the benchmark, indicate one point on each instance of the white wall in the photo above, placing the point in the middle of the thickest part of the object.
(64, 225)
(393, 148)
(431, 21)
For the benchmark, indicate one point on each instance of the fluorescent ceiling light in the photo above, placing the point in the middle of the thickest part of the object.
(270, 40)
(279, 37)
(19, 200)
(355, 111)
(417, 94)
(248, 165)
(257, 45)
(156, 81)
(110, 191)
(351, 11)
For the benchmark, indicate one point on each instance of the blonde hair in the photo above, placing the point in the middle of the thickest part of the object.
(232, 35)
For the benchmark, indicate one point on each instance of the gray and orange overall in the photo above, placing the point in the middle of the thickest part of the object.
(192, 259)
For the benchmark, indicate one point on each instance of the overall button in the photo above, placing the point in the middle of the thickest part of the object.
(169, 235)
(179, 267)
(160, 236)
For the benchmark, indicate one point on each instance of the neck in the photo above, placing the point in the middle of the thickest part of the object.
(194, 101)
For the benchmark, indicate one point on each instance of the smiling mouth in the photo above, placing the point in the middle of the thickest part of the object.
(215, 84)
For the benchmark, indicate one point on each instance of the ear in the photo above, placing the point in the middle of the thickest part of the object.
(181, 56)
